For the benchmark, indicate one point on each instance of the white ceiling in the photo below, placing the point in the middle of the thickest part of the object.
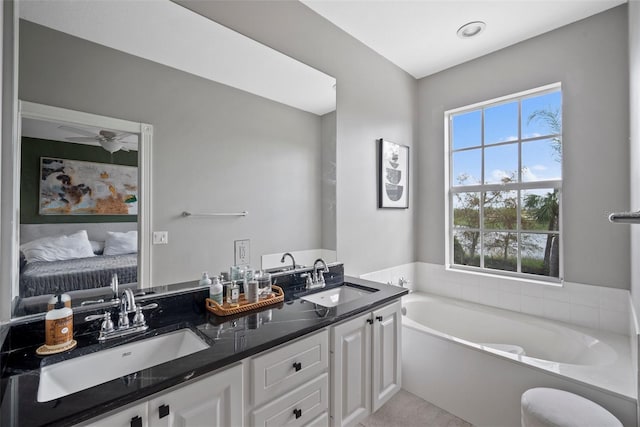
(419, 36)
(169, 34)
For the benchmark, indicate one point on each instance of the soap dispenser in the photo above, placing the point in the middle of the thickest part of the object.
(58, 329)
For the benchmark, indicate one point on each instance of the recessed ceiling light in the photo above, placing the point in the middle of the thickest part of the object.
(471, 29)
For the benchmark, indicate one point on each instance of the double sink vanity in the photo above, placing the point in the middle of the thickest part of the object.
(322, 357)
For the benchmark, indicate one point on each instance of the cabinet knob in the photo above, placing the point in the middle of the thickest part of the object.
(297, 413)
(379, 318)
(370, 321)
(163, 410)
(136, 421)
(297, 366)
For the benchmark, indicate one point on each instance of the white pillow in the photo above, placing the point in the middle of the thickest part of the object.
(121, 243)
(58, 248)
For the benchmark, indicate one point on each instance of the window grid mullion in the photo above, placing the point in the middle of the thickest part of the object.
(495, 144)
(482, 193)
(519, 193)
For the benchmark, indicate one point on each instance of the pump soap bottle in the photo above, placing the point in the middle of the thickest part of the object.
(58, 329)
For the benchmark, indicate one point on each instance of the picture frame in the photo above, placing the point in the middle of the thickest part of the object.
(76, 187)
(393, 175)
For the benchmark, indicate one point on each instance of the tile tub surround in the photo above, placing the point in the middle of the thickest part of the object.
(589, 306)
(232, 339)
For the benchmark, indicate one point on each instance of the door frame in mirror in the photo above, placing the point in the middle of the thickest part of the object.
(36, 111)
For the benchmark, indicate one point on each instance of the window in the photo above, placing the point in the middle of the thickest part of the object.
(505, 185)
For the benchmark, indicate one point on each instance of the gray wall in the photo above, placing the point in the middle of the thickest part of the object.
(590, 59)
(375, 99)
(634, 114)
(329, 181)
(215, 149)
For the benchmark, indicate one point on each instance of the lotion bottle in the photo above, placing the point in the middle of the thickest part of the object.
(215, 290)
(205, 281)
(59, 325)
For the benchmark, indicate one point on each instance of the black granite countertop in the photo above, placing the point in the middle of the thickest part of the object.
(231, 339)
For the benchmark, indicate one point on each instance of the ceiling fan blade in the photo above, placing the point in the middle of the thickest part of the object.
(77, 130)
(81, 139)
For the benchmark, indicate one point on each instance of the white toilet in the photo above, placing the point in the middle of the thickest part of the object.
(548, 407)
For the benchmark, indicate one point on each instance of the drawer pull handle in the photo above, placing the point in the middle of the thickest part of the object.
(370, 321)
(297, 366)
(379, 318)
(136, 421)
(297, 413)
(163, 410)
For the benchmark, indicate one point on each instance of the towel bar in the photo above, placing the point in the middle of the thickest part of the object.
(243, 213)
(625, 217)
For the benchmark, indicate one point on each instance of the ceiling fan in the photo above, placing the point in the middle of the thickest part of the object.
(109, 140)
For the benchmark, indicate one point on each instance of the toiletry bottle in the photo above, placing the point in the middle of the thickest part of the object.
(205, 281)
(233, 294)
(59, 325)
(215, 290)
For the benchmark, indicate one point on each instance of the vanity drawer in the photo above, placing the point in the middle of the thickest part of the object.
(278, 371)
(300, 407)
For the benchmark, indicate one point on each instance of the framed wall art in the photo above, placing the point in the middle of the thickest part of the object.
(393, 175)
(73, 187)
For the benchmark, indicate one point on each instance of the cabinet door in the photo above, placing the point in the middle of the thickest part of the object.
(351, 371)
(135, 416)
(212, 401)
(386, 355)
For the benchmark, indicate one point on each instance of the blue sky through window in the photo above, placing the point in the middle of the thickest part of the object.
(541, 159)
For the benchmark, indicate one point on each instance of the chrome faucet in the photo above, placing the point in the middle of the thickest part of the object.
(127, 305)
(114, 285)
(315, 280)
(293, 260)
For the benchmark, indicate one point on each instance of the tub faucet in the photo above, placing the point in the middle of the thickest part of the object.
(293, 260)
(403, 283)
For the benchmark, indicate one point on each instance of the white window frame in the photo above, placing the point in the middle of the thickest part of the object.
(483, 188)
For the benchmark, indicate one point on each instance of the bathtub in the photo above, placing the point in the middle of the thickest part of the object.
(476, 361)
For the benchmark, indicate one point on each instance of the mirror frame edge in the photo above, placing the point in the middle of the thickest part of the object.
(9, 110)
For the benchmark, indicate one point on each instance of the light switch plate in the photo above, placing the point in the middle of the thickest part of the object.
(242, 250)
(160, 237)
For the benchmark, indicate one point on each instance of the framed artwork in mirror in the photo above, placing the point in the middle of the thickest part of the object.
(393, 175)
(73, 187)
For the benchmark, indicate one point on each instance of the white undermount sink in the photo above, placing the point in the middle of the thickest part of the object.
(336, 296)
(64, 378)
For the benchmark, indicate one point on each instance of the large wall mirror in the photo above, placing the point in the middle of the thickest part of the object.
(234, 130)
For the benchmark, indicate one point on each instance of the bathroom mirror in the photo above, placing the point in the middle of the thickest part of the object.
(222, 144)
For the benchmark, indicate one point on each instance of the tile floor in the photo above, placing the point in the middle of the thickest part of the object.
(408, 410)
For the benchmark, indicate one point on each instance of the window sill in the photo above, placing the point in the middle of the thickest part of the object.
(515, 277)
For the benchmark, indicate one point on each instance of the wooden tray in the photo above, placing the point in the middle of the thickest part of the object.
(226, 310)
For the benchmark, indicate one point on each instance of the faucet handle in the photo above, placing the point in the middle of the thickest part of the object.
(107, 323)
(320, 279)
(138, 319)
(123, 320)
(309, 282)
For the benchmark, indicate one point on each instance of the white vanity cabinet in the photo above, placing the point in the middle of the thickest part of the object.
(365, 364)
(290, 384)
(215, 400)
(336, 376)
